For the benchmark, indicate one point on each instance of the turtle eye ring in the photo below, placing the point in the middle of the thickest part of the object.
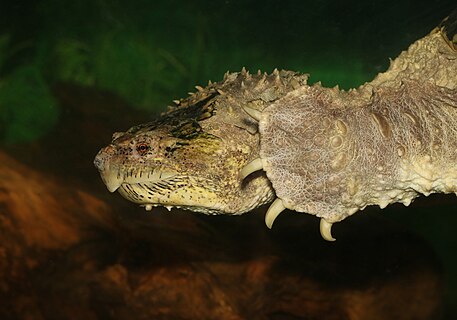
(142, 148)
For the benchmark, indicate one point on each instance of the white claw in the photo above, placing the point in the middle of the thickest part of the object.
(255, 114)
(148, 207)
(251, 167)
(273, 212)
(326, 230)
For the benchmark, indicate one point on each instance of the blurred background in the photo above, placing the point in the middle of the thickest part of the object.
(148, 53)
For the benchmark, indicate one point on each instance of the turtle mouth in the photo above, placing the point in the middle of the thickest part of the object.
(152, 192)
(170, 189)
(151, 180)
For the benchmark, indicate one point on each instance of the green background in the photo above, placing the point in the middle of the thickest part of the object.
(150, 52)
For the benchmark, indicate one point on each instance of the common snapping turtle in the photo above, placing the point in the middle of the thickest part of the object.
(256, 138)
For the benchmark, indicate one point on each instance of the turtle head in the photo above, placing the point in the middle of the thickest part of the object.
(189, 158)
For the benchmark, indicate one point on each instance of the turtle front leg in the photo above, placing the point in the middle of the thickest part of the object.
(331, 153)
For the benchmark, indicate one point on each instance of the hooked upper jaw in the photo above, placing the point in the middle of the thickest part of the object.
(114, 177)
(111, 178)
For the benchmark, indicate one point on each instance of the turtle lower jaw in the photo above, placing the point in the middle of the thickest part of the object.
(198, 209)
(174, 192)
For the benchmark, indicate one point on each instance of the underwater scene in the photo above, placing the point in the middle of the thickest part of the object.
(75, 76)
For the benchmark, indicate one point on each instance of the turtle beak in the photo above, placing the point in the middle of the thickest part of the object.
(111, 178)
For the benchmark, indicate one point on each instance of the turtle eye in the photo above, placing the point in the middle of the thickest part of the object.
(142, 148)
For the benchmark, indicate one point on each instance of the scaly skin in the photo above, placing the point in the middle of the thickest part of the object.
(323, 151)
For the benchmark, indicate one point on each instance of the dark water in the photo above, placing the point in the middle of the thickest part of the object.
(146, 53)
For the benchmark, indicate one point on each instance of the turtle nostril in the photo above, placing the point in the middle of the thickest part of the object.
(103, 156)
(98, 162)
